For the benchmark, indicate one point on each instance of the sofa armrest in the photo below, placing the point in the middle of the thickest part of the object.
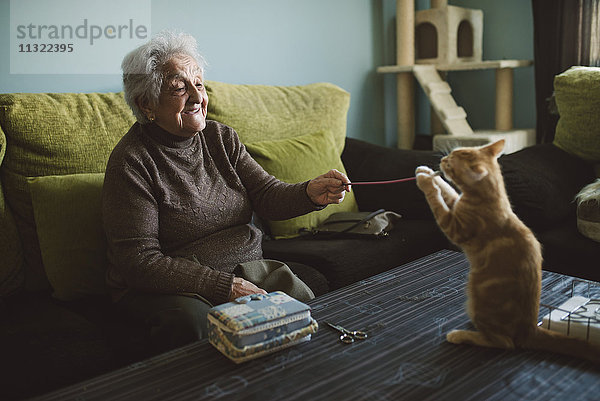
(368, 162)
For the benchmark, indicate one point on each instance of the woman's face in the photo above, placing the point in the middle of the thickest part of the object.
(183, 101)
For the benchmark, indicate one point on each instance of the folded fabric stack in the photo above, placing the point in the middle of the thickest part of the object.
(257, 324)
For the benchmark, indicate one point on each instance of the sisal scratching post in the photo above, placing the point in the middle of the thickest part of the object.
(504, 99)
(405, 55)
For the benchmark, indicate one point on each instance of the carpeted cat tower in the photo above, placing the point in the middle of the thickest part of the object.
(433, 42)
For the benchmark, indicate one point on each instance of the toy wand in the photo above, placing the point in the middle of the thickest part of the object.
(389, 181)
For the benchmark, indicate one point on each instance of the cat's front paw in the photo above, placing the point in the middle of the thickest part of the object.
(424, 170)
(424, 177)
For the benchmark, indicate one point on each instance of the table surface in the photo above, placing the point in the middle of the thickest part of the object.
(406, 312)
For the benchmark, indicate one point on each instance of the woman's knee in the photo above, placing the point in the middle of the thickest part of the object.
(174, 320)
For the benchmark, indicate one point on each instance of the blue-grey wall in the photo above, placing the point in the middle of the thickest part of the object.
(507, 34)
(290, 42)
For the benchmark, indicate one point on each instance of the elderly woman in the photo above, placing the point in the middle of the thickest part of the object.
(179, 194)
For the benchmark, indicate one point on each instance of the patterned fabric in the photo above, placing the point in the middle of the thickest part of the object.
(256, 309)
(255, 325)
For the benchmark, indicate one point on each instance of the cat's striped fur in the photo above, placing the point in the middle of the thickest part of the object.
(503, 291)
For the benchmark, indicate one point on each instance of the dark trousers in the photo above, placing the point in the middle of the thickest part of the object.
(172, 320)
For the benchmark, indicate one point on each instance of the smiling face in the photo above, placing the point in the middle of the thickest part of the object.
(182, 104)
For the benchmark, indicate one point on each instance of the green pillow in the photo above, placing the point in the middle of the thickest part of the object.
(577, 93)
(11, 262)
(297, 160)
(67, 211)
(265, 113)
(54, 134)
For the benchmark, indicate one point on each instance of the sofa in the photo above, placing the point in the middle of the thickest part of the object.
(57, 326)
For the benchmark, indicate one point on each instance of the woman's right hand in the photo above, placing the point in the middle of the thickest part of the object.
(243, 287)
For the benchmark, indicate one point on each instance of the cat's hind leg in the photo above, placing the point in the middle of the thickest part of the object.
(478, 338)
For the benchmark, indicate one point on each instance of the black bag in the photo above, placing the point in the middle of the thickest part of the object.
(364, 225)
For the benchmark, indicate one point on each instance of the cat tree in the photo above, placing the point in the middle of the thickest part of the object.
(430, 43)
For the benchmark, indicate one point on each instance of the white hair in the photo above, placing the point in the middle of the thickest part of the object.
(143, 68)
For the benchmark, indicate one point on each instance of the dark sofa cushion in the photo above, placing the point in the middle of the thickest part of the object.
(566, 251)
(542, 182)
(369, 162)
(345, 261)
(45, 346)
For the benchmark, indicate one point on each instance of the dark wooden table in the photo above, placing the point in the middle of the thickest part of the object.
(407, 312)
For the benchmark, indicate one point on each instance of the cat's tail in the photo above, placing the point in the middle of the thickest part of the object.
(547, 340)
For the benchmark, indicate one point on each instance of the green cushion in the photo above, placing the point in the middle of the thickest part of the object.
(67, 210)
(11, 262)
(577, 93)
(268, 118)
(297, 160)
(264, 113)
(54, 134)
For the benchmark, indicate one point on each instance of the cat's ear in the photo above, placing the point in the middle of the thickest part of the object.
(494, 149)
(477, 172)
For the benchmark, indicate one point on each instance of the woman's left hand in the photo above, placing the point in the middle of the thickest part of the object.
(328, 188)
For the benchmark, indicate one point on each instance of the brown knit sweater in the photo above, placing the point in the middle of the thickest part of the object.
(177, 211)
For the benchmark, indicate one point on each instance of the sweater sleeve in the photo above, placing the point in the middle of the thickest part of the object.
(130, 216)
(271, 198)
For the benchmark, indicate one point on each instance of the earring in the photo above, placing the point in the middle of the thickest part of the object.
(151, 117)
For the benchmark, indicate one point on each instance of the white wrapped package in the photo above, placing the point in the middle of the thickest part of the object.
(578, 317)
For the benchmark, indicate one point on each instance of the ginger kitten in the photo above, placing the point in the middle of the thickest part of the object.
(503, 290)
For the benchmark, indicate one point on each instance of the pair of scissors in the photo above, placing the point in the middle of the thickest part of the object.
(348, 336)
